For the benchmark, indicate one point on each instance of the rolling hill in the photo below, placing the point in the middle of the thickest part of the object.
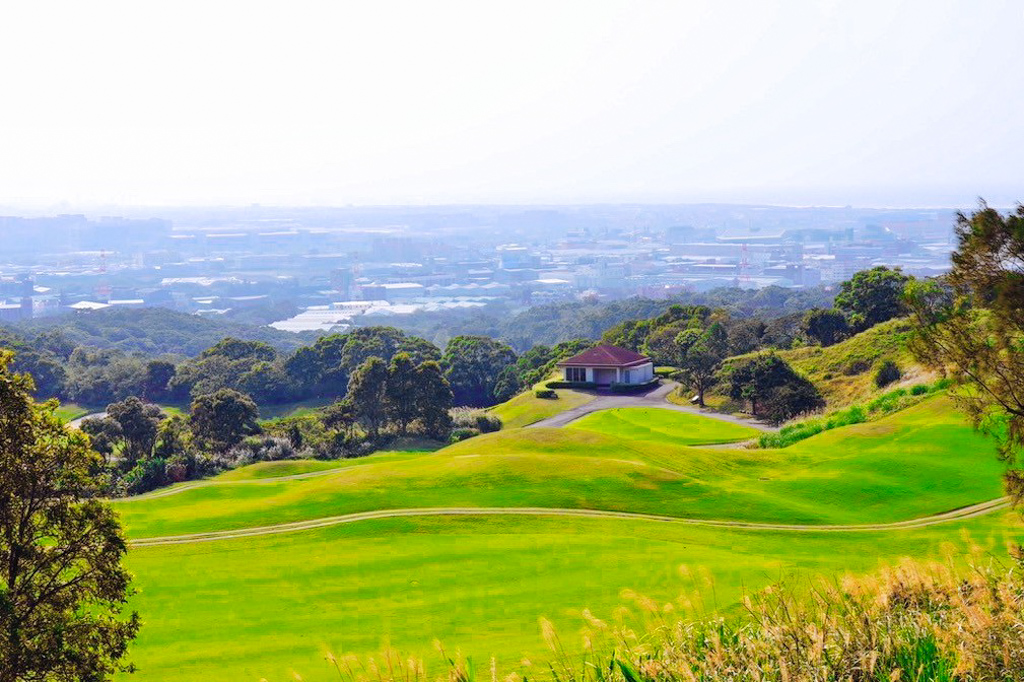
(270, 604)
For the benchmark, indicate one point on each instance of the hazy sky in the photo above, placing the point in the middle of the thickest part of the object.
(782, 101)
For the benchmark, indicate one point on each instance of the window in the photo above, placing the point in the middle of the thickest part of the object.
(575, 373)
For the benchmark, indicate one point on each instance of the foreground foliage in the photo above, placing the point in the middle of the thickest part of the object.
(973, 325)
(62, 586)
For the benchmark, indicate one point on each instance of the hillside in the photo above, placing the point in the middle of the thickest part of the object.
(156, 331)
(479, 581)
(845, 372)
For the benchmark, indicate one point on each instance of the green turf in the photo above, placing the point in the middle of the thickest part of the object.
(295, 409)
(663, 426)
(267, 607)
(526, 408)
(70, 411)
(905, 466)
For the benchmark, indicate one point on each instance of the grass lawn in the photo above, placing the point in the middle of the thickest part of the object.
(269, 607)
(71, 411)
(526, 408)
(907, 465)
(296, 409)
(654, 424)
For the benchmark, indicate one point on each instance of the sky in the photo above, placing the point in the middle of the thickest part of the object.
(793, 102)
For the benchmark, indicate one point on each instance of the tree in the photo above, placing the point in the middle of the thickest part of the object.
(972, 326)
(433, 400)
(104, 435)
(173, 446)
(159, 374)
(62, 586)
(367, 394)
(700, 356)
(221, 420)
(775, 391)
(400, 392)
(872, 297)
(138, 421)
(827, 327)
(473, 365)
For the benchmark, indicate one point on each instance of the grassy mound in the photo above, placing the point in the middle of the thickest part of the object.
(270, 606)
(526, 408)
(904, 466)
(654, 424)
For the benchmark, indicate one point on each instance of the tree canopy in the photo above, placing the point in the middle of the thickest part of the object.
(971, 325)
(63, 589)
(872, 296)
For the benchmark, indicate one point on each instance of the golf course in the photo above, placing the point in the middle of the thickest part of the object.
(260, 572)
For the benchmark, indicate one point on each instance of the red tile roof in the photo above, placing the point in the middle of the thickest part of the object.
(606, 356)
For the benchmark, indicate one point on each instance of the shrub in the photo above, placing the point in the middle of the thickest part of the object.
(261, 449)
(887, 374)
(920, 389)
(855, 367)
(462, 434)
(472, 418)
(570, 384)
(545, 394)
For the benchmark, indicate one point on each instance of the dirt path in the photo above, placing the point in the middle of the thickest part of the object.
(961, 514)
(656, 398)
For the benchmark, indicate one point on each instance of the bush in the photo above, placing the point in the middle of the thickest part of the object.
(888, 373)
(855, 367)
(920, 389)
(261, 449)
(571, 384)
(665, 371)
(545, 394)
(462, 434)
(472, 418)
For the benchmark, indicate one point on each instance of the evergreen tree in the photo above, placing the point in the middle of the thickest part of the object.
(401, 392)
(433, 400)
(367, 393)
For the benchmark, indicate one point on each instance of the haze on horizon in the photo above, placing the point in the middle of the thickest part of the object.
(325, 103)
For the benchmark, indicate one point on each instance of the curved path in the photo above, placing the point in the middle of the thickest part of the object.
(655, 398)
(961, 514)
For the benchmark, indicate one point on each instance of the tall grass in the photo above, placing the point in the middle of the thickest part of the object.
(887, 403)
(913, 622)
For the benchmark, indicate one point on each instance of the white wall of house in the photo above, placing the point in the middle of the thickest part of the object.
(607, 375)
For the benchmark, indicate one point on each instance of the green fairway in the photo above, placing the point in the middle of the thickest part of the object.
(70, 411)
(908, 465)
(265, 607)
(663, 426)
(270, 605)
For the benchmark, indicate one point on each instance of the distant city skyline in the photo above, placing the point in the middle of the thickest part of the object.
(909, 103)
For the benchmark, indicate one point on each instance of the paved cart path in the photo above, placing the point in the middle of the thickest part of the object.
(655, 398)
(961, 514)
